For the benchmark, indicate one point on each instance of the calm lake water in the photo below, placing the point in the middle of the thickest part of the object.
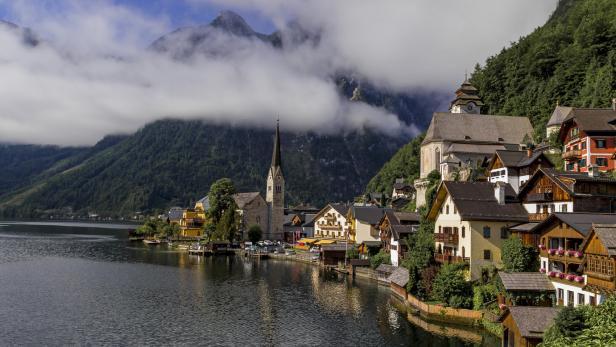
(64, 285)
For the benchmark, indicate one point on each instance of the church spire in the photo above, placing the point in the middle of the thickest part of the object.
(276, 162)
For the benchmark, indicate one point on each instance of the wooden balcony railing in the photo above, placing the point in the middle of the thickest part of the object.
(449, 259)
(537, 217)
(540, 197)
(451, 239)
(572, 154)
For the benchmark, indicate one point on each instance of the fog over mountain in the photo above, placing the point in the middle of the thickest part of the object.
(101, 68)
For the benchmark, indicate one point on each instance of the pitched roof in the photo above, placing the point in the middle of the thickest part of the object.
(593, 119)
(276, 158)
(579, 221)
(407, 216)
(476, 201)
(343, 209)
(385, 268)
(175, 213)
(242, 199)
(479, 128)
(309, 220)
(526, 281)
(607, 235)
(519, 158)
(524, 227)
(533, 321)
(559, 115)
(565, 180)
(400, 276)
(368, 214)
(401, 231)
(402, 185)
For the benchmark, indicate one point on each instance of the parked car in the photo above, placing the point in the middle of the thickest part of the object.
(289, 252)
(315, 250)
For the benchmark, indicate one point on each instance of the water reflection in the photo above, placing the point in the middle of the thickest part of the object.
(66, 285)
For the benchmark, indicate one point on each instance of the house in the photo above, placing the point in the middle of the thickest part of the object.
(599, 249)
(525, 325)
(383, 272)
(331, 223)
(472, 221)
(294, 228)
(589, 138)
(549, 190)
(308, 226)
(363, 223)
(561, 255)
(556, 120)
(192, 221)
(175, 215)
(464, 138)
(516, 167)
(334, 254)
(526, 289)
(398, 280)
(394, 228)
(402, 189)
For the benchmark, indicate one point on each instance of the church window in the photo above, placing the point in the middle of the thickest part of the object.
(447, 209)
(258, 220)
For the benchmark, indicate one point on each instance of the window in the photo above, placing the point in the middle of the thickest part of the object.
(258, 220)
(591, 301)
(561, 294)
(600, 143)
(439, 229)
(582, 163)
(552, 208)
(486, 232)
(455, 230)
(569, 298)
(463, 252)
(487, 254)
(447, 209)
(463, 231)
(538, 208)
(563, 208)
(583, 145)
(455, 210)
(394, 247)
(504, 233)
(580, 299)
(601, 161)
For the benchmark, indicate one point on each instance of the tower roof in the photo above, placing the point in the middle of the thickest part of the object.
(276, 158)
(467, 93)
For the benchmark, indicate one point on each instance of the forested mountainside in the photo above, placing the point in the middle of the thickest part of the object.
(571, 60)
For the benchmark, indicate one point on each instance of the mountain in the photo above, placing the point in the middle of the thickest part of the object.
(171, 162)
(570, 60)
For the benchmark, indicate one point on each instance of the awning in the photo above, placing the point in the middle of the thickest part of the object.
(325, 242)
(307, 240)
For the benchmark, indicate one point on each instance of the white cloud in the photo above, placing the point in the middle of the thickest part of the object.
(94, 77)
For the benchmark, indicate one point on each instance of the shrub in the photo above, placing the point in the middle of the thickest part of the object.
(483, 294)
(450, 287)
(352, 253)
(380, 258)
(519, 258)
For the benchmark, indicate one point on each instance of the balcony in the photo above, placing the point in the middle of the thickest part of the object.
(537, 217)
(565, 257)
(540, 197)
(450, 239)
(449, 259)
(572, 154)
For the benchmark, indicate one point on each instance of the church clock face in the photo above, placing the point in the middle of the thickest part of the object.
(470, 106)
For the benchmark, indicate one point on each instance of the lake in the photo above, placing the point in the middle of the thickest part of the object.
(87, 285)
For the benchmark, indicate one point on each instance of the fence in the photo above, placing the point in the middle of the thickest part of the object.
(442, 313)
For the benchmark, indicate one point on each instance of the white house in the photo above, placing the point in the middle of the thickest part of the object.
(331, 222)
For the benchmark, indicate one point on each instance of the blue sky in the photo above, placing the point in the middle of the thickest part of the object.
(179, 12)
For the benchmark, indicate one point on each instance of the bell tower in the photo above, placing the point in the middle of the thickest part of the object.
(275, 192)
(467, 99)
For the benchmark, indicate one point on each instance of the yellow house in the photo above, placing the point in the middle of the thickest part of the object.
(193, 219)
(364, 223)
(472, 221)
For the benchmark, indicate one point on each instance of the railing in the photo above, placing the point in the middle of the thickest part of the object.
(451, 239)
(540, 197)
(449, 259)
(572, 154)
(537, 217)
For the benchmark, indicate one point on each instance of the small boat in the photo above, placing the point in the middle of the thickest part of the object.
(151, 242)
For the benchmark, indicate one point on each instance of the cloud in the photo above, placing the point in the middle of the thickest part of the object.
(92, 75)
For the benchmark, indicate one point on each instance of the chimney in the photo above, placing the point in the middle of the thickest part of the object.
(499, 192)
(529, 151)
(614, 104)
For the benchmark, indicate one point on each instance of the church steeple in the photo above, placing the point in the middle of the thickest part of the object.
(467, 99)
(276, 160)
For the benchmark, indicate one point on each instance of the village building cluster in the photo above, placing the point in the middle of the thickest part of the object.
(494, 184)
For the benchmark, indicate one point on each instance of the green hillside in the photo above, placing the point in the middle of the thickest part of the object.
(172, 162)
(570, 60)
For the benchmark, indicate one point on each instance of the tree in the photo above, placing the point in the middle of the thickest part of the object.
(352, 253)
(226, 229)
(451, 287)
(380, 258)
(518, 257)
(254, 233)
(221, 198)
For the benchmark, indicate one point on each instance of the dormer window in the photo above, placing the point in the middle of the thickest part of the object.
(466, 137)
(500, 139)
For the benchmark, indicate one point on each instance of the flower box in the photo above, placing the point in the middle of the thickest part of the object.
(562, 276)
(551, 251)
(570, 277)
(579, 254)
(561, 252)
(541, 247)
(552, 274)
(542, 270)
(502, 307)
(579, 279)
(571, 253)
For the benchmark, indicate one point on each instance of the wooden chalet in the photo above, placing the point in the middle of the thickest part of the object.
(524, 325)
(516, 167)
(394, 228)
(599, 250)
(549, 191)
(526, 289)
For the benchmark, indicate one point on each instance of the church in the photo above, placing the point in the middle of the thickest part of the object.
(274, 195)
(464, 138)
